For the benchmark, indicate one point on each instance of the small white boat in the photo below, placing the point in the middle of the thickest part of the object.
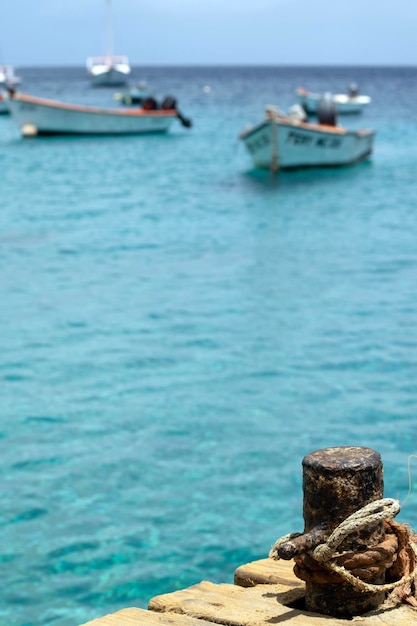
(38, 116)
(349, 103)
(7, 76)
(287, 142)
(108, 71)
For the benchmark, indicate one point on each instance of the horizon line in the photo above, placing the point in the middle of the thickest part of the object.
(231, 65)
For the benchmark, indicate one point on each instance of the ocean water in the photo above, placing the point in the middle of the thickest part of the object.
(178, 330)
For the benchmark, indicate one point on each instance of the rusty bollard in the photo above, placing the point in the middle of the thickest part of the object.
(336, 483)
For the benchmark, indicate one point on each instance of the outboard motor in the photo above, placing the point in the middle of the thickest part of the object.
(353, 90)
(326, 110)
(169, 103)
(149, 104)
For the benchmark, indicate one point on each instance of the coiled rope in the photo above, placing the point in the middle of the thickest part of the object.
(396, 555)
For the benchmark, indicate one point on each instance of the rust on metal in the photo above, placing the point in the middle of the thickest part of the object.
(337, 482)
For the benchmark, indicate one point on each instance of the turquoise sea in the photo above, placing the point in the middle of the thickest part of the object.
(178, 330)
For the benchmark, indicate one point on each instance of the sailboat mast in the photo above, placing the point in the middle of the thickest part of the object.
(109, 29)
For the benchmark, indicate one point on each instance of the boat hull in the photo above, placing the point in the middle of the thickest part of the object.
(110, 77)
(36, 116)
(344, 104)
(288, 145)
(110, 71)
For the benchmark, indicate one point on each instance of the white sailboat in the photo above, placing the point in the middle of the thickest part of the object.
(109, 70)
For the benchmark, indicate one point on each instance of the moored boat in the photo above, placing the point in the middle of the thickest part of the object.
(288, 141)
(39, 116)
(350, 103)
(7, 77)
(109, 70)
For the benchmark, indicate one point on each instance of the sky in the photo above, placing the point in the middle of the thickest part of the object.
(211, 32)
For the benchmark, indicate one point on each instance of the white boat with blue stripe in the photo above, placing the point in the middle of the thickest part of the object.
(350, 103)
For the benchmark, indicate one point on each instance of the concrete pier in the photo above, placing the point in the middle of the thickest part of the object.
(265, 592)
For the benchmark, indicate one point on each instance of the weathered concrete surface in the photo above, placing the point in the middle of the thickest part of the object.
(229, 604)
(263, 605)
(140, 617)
(267, 572)
(208, 604)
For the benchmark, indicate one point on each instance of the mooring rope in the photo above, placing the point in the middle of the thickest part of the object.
(386, 508)
(273, 553)
(376, 511)
(325, 554)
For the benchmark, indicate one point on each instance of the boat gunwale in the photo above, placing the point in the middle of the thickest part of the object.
(55, 104)
(307, 126)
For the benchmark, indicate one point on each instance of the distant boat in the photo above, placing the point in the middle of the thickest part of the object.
(7, 76)
(38, 116)
(349, 103)
(109, 70)
(287, 142)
